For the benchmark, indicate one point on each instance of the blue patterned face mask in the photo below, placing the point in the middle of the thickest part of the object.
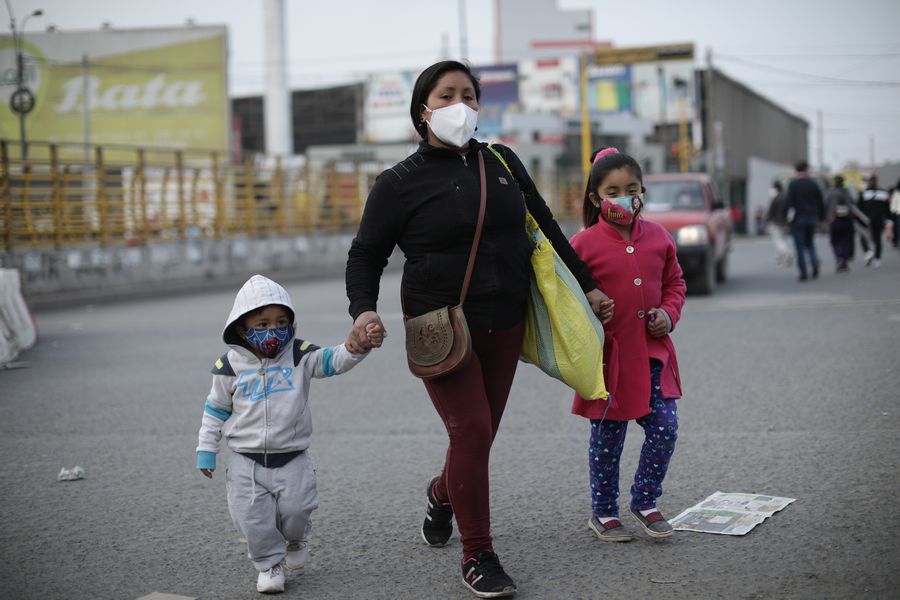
(269, 342)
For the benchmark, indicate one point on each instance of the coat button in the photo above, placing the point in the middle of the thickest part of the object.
(630, 249)
(641, 314)
(637, 281)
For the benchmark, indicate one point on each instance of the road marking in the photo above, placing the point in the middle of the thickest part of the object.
(161, 596)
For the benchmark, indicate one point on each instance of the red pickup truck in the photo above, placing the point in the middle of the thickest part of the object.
(689, 206)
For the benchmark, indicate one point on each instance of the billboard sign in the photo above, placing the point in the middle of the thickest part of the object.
(141, 87)
(499, 94)
(655, 83)
(386, 108)
(609, 89)
(550, 85)
(663, 90)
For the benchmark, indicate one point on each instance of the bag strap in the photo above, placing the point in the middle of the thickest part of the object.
(478, 228)
(502, 160)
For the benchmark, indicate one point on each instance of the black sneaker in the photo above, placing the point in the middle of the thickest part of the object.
(438, 526)
(485, 577)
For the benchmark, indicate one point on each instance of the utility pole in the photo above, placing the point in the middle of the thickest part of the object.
(463, 41)
(445, 46)
(710, 120)
(585, 116)
(821, 136)
(86, 108)
(663, 132)
(872, 150)
(277, 116)
(22, 100)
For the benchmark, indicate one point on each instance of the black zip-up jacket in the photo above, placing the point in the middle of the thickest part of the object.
(427, 205)
(876, 203)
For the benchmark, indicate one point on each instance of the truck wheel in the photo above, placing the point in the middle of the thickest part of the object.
(722, 269)
(704, 282)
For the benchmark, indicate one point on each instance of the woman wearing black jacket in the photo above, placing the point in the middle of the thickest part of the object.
(428, 206)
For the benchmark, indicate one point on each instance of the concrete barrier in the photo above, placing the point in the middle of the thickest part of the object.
(17, 329)
(49, 275)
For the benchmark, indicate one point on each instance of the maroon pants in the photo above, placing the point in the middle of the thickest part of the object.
(471, 403)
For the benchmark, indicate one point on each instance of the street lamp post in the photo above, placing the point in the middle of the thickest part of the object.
(22, 100)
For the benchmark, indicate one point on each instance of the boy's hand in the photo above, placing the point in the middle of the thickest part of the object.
(207, 473)
(375, 334)
(354, 346)
(656, 323)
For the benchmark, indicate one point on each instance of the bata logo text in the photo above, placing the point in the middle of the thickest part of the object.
(156, 93)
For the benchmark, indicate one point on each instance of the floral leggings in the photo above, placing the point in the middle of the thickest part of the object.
(605, 449)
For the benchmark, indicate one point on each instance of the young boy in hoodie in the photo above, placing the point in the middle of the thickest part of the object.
(259, 402)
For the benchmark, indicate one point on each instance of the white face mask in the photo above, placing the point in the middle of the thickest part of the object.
(454, 124)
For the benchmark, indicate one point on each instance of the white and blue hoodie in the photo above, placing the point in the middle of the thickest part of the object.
(261, 405)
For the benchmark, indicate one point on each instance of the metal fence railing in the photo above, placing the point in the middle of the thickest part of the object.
(58, 198)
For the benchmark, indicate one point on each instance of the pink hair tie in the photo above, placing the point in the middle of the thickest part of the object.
(605, 152)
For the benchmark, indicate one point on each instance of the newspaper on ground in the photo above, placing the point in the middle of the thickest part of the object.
(729, 514)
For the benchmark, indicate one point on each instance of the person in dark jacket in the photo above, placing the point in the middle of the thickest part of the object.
(428, 206)
(805, 209)
(839, 205)
(875, 203)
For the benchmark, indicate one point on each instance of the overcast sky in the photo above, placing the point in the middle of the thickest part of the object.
(840, 57)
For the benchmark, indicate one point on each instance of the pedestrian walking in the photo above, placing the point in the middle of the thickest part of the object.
(874, 202)
(635, 262)
(776, 226)
(428, 205)
(805, 209)
(838, 204)
(259, 403)
(895, 214)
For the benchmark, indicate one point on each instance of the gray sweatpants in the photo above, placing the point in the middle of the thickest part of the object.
(271, 507)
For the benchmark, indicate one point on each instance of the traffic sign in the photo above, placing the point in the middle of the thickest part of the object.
(22, 101)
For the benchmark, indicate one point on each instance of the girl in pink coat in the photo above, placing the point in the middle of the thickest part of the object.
(633, 261)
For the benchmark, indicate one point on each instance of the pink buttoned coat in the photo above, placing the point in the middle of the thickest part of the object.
(638, 274)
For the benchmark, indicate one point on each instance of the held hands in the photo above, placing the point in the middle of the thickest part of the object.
(367, 332)
(601, 304)
(656, 323)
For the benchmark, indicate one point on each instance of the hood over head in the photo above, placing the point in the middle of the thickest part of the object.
(257, 292)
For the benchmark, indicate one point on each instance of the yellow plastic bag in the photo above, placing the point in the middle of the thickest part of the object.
(563, 336)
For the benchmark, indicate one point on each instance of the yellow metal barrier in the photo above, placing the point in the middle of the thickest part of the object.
(50, 201)
(59, 198)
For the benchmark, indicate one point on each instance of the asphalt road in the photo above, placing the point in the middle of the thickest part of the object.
(791, 389)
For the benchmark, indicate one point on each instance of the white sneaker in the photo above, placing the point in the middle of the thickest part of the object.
(868, 257)
(876, 263)
(271, 581)
(297, 555)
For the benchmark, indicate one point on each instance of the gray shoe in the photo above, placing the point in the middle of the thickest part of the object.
(297, 555)
(611, 531)
(654, 524)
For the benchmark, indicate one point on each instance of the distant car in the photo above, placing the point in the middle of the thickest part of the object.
(689, 206)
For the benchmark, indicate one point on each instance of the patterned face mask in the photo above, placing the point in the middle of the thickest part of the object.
(269, 342)
(620, 210)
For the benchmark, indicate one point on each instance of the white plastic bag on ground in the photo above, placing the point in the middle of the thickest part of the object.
(73, 474)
